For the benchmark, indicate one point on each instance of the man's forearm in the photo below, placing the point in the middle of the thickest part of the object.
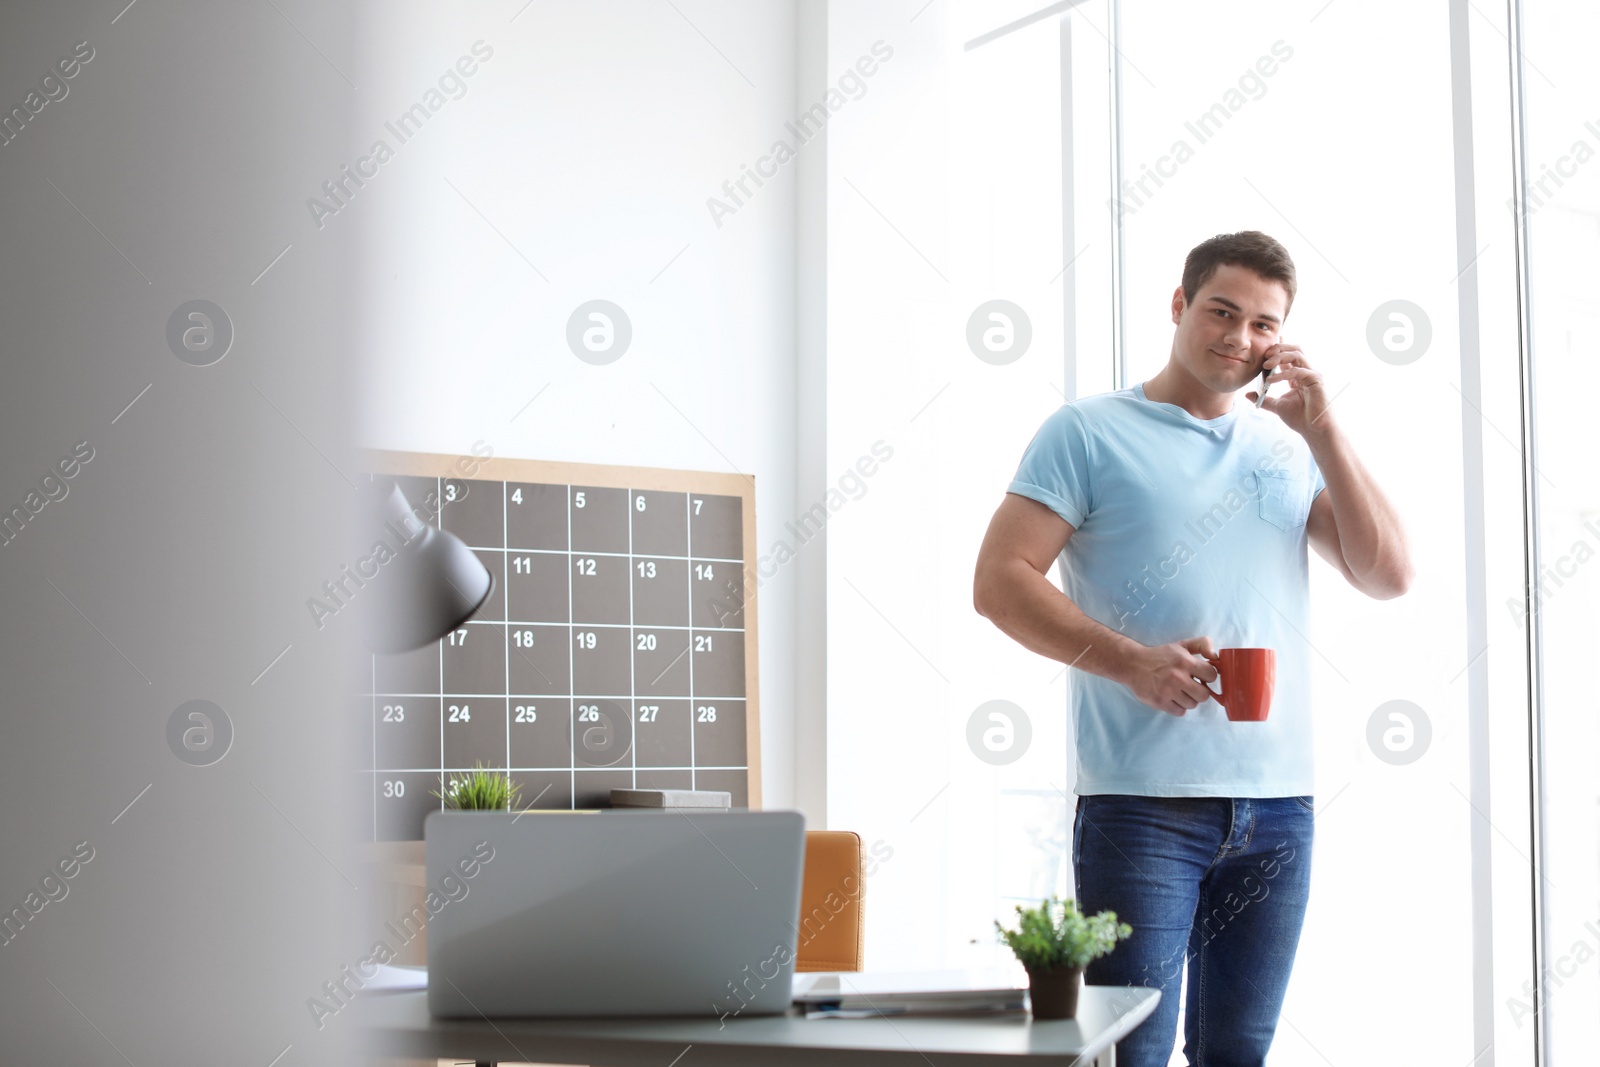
(1371, 538)
(1027, 607)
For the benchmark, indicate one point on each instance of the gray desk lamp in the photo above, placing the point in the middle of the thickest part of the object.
(432, 584)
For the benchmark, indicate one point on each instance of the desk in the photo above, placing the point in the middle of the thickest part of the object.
(398, 1024)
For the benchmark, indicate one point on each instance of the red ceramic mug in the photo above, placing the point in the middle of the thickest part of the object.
(1247, 676)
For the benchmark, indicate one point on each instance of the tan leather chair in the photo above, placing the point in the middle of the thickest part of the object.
(829, 935)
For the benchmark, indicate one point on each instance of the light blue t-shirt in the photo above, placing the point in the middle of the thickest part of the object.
(1183, 527)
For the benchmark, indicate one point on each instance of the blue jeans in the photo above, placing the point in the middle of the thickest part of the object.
(1220, 883)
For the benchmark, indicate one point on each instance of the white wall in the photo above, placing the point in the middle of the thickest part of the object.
(591, 140)
(920, 234)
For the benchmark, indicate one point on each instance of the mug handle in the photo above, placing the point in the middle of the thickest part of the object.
(1217, 693)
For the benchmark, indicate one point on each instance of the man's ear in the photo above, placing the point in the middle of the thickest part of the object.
(1177, 305)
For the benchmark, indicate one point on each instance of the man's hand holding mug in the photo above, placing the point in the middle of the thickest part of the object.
(1177, 677)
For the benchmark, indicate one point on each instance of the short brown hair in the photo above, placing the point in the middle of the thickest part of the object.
(1250, 249)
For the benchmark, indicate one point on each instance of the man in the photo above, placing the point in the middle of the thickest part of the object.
(1181, 520)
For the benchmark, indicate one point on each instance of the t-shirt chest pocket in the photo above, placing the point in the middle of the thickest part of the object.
(1282, 498)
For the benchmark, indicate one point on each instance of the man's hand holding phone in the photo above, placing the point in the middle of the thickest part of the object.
(1304, 406)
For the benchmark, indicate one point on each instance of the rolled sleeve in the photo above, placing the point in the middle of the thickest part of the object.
(1050, 500)
(1055, 467)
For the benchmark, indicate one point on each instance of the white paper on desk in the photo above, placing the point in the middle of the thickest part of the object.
(908, 985)
(391, 979)
(864, 994)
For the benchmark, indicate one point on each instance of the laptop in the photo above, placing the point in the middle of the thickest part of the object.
(612, 913)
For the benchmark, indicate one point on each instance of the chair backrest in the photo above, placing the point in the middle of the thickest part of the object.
(830, 931)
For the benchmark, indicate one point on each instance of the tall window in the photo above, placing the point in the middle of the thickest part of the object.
(1561, 209)
(1256, 122)
(1007, 229)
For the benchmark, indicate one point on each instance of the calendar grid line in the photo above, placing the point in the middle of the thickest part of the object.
(688, 581)
(572, 677)
(439, 490)
(505, 568)
(633, 682)
(560, 696)
(590, 552)
(552, 770)
(374, 666)
(601, 625)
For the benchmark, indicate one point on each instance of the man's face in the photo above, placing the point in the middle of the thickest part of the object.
(1223, 337)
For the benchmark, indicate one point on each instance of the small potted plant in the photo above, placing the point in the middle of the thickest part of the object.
(1054, 942)
(479, 790)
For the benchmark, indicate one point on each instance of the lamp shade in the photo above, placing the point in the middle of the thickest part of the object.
(430, 584)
